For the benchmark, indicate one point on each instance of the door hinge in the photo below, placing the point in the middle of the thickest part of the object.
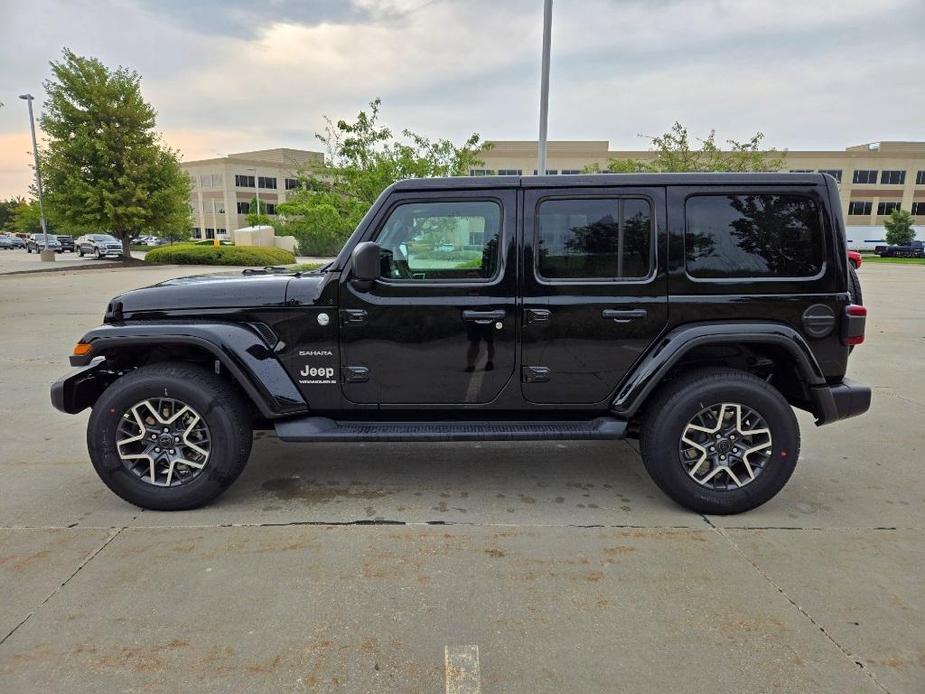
(353, 316)
(356, 374)
(536, 374)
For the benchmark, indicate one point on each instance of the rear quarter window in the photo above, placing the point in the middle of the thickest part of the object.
(760, 235)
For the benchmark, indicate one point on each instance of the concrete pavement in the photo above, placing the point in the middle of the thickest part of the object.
(561, 562)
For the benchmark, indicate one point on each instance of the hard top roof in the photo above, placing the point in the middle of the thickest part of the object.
(603, 180)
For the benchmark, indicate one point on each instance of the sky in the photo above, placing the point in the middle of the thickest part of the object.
(228, 76)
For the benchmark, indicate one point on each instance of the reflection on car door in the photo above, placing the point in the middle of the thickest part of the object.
(594, 289)
(439, 325)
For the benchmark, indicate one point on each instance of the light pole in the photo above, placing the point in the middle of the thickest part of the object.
(544, 88)
(46, 254)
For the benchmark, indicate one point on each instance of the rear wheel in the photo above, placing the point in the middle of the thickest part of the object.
(169, 436)
(854, 287)
(720, 441)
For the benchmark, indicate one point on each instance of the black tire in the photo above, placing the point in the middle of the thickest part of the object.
(854, 287)
(80, 252)
(219, 404)
(676, 403)
(99, 254)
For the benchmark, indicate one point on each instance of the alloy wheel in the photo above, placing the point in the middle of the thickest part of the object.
(163, 441)
(725, 446)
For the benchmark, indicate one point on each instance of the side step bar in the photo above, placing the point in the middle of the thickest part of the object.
(323, 429)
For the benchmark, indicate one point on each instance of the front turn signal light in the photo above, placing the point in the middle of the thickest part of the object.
(82, 349)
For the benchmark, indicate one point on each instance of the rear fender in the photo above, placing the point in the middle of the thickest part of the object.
(668, 351)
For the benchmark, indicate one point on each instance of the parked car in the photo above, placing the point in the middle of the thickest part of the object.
(913, 249)
(855, 259)
(6, 243)
(668, 323)
(67, 243)
(36, 243)
(98, 245)
(17, 241)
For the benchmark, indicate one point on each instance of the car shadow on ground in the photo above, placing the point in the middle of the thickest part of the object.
(543, 483)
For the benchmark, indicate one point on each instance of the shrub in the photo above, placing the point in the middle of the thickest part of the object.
(190, 254)
(313, 235)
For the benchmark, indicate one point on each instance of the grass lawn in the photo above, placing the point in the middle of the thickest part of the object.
(304, 267)
(896, 261)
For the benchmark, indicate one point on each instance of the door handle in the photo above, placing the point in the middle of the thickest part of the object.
(538, 315)
(353, 316)
(483, 317)
(623, 316)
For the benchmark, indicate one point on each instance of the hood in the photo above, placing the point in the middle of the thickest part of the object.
(236, 290)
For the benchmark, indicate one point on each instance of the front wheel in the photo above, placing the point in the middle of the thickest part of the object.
(99, 254)
(169, 436)
(80, 252)
(720, 441)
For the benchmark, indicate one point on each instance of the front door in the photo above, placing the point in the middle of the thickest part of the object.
(594, 287)
(438, 327)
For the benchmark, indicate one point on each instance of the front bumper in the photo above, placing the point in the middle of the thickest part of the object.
(840, 401)
(80, 390)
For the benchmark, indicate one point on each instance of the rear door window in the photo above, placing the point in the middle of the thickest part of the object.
(594, 238)
(761, 235)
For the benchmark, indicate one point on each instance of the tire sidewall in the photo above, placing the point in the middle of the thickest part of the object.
(220, 470)
(668, 471)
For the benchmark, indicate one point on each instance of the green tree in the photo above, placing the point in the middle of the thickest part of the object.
(105, 167)
(899, 231)
(27, 218)
(362, 159)
(257, 213)
(8, 211)
(674, 152)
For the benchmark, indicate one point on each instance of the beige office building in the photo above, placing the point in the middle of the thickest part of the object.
(223, 188)
(873, 178)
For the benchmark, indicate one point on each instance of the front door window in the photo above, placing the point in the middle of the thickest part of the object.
(441, 241)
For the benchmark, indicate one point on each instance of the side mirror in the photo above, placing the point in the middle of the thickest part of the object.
(366, 261)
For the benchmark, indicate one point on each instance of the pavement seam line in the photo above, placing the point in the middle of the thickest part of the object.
(889, 392)
(844, 651)
(437, 523)
(112, 536)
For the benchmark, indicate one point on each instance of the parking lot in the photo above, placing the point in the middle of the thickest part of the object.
(533, 567)
(18, 260)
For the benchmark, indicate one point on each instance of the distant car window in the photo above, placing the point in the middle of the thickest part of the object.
(442, 241)
(600, 238)
(760, 235)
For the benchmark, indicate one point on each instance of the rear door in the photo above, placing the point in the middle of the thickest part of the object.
(594, 288)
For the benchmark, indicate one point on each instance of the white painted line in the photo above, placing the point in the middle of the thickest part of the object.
(462, 670)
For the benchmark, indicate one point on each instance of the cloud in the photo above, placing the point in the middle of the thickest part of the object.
(228, 76)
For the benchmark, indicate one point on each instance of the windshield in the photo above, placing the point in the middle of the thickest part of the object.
(106, 238)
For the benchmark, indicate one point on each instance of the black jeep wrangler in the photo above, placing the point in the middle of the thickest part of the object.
(689, 310)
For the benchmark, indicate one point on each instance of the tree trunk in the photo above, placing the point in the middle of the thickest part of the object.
(126, 246)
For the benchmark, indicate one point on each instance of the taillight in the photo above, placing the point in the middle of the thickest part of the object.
(853, 324)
